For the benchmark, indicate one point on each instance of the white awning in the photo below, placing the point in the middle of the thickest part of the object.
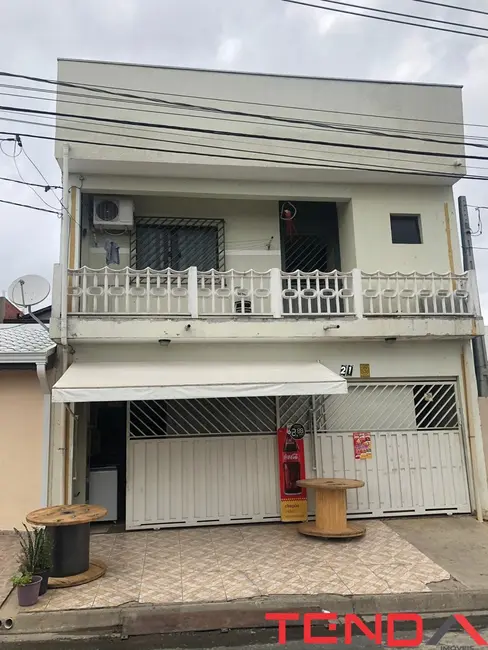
(128, 381)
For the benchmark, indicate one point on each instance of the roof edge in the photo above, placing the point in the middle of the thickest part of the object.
(27, 357)
(262, 74)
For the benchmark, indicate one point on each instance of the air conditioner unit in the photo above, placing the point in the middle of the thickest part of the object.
(113, 212)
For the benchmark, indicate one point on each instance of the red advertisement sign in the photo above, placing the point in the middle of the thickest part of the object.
(292, 468)
(362, 446)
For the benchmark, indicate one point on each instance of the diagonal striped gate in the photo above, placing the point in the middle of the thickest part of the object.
(196, 462)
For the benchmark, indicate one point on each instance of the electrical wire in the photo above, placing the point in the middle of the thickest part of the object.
(396, 13)
(240, 150)
(446, 6)
(138, 103)
(115, 91)
(32, 188)
(388, 20)
(31, 207)
(15, 180)
(254, 136)
(412, 172)
(274, 118)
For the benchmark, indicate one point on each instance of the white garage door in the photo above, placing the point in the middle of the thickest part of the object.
(210, 461)
(418, 463)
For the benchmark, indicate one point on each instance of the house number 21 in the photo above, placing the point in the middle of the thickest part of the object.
(346, 371)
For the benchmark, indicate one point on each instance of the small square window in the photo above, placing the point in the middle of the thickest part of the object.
(405, 229)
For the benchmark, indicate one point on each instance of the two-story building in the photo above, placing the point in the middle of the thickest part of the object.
(242, 252)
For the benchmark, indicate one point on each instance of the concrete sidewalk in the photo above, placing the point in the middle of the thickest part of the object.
(228, 577)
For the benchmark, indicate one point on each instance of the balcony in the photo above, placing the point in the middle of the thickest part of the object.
(225, 305)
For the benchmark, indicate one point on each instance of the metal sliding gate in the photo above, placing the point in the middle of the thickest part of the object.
(418, 461)
(214, 461)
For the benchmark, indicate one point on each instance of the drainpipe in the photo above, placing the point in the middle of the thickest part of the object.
(63, 262)
(46, 433)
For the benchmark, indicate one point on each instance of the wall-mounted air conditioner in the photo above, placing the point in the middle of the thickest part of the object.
(113, 212)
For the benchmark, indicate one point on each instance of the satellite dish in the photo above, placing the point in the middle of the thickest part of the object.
(28, 290)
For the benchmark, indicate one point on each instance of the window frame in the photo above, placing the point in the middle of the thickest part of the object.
(412, 216)
(179, 222)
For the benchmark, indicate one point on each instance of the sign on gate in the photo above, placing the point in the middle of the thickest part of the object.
(292, 469)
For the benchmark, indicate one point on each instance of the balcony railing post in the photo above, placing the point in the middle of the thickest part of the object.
(357, 288)
(276, 289)
(193, 291)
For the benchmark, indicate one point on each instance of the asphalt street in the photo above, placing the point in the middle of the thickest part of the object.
(248, 640)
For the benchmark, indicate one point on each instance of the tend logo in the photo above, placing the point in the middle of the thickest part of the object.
(354, 624)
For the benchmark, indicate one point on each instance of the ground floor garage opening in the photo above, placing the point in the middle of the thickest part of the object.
(210, 461)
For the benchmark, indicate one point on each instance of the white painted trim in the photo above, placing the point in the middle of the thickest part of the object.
(230, 251)
(26, 357)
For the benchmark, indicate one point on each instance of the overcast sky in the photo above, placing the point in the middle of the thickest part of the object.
(247, 35)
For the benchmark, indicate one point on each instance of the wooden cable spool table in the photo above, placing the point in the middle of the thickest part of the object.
(69, 529)
(331, 508)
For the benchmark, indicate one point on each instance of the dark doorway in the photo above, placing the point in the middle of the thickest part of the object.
(310, 239)
(107, 457)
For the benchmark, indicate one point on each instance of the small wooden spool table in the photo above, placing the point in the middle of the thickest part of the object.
(69, 529)
(331, 508)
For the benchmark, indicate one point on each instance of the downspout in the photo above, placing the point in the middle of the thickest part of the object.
(46, 432)
(63, 262)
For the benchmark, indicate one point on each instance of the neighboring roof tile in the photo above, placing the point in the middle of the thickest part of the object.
(24, 339)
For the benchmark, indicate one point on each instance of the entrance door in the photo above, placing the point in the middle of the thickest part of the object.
(418, 463)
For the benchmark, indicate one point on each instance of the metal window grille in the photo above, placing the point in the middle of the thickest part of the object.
(389, 406)
(382, 406)
(177, 243)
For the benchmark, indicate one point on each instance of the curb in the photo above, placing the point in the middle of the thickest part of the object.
(141, 620)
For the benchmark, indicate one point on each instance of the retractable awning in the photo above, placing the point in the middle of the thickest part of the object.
(128, 381)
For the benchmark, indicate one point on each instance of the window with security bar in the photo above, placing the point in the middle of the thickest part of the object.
(178, 243)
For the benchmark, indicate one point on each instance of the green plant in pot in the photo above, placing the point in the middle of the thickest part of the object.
(36, 554)
(28, 587)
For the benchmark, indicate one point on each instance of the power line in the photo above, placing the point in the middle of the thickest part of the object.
(101, 89)
(274, 118)
(388, 20)
(446, 6)
(396, 13)
(32, 188)
(412, 172)
(303, 125)
(15, 180)
(31, 207)
(213, 139)
(253, 136)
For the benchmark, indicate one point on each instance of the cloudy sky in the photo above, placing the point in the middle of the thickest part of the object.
(247, 35)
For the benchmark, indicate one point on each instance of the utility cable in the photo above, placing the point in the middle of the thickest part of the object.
(414, 16)
(33, 188)
(387, 20)
(115, 91)
(212, 138)
(137, 108)
(31, 207)
(44, 187)
(253, 136)
(446, 6)
(185, 105)
(412, 172)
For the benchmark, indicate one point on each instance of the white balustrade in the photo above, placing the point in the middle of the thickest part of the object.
(234, 293)
(93, 292)
(271, 294)
(416, 294)
(317, 294)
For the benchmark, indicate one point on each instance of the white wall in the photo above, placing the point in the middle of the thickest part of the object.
(387, 360)
(327, 100)
(364, 228)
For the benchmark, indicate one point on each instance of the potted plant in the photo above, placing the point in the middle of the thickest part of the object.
(36, 554)
(28, 587)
